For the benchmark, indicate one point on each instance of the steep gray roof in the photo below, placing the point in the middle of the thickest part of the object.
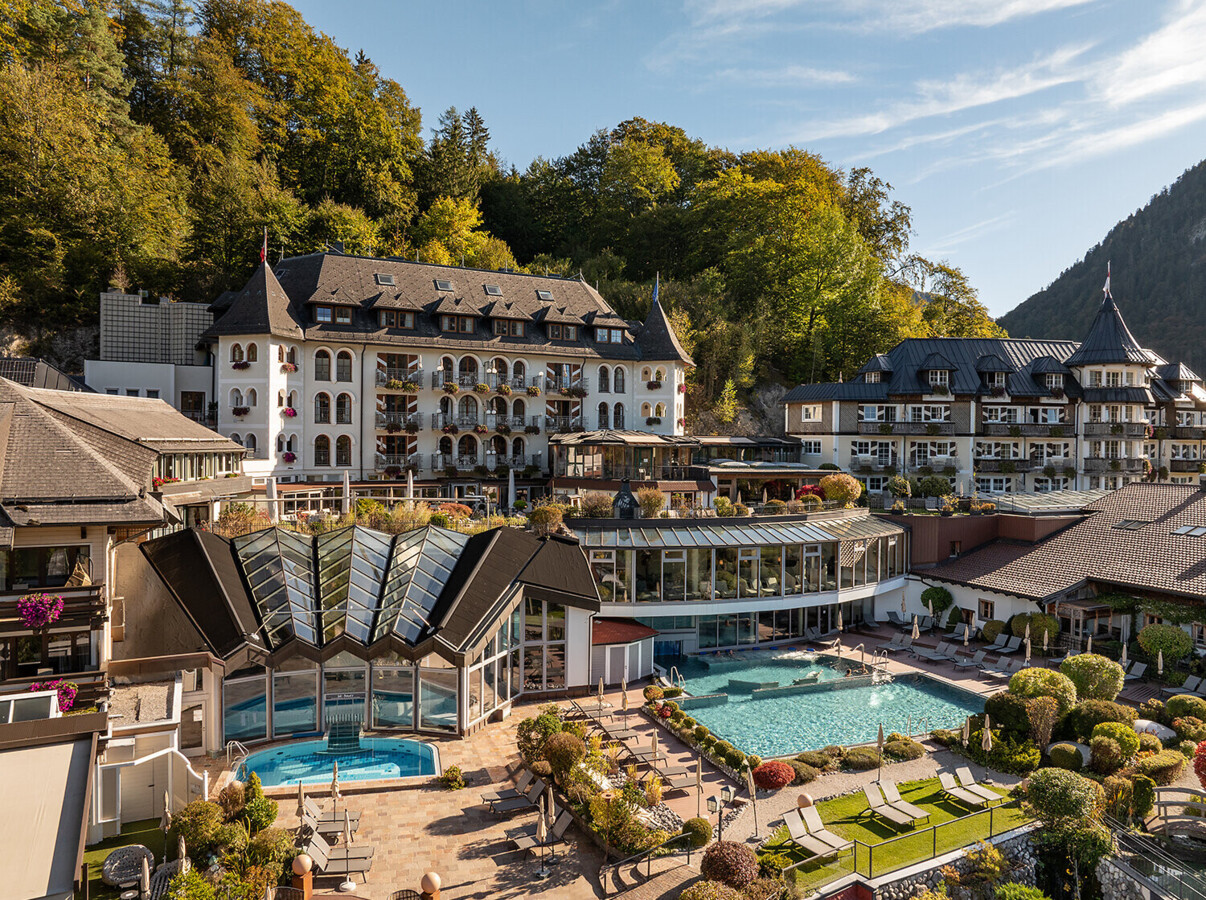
(1109, 340)
(262, 307)
(657, 341)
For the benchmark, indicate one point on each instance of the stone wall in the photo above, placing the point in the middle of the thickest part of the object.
(1119, 884)
(1018, 850)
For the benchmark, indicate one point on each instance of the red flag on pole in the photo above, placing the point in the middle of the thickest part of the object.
(264, 246)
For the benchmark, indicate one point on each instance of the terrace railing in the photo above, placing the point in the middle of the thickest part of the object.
(633, 863)
(1147, 859)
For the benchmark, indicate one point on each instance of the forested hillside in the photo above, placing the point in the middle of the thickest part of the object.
(1158, 256)
(145, 144)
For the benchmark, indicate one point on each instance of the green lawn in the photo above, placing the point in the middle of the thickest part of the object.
(849, 817)
(145, 832)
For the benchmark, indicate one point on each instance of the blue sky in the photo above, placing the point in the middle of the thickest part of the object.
(1019, 131)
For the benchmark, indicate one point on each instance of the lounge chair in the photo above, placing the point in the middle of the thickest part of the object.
(556, 834)
(354, 851)
(521, 787)
(968, 782)
(1003, 669)
(515, 804)
(798, 834)
(895, 618)
(892, 795)
(337, 864)
(1001, 641)
(906, 644)
(936, 655)
(1136, 673)
(959, 632)
(676, 784)
(952, 654)
(893, 645)
(951, 788)
(1191, 686)
(926, 623)
(816, 828)
(972, 663)
(1013, 646)
(878, 806)
(335, 815)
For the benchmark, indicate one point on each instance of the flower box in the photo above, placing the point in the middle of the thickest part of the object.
(451, 387)
(533, 391)
(654, 385)
(67, 691)
(532, 429)
(289, 412)
(157, 483)
(682, 389)
(481, 388)
(412, 427)
(577, 391)
(289, 456)
(38, 611)
(288, 368)
(564, 392)
(450, 429)
(393, 427)
(505, 390)
(393, 471)
(682, 423)
(240, 365)
(480, 429)
(240, 411)
(503, 429)
(653, 420)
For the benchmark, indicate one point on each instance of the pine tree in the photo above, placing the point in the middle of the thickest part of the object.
(726, 406)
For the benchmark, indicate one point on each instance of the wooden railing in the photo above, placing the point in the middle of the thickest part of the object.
(83, 607)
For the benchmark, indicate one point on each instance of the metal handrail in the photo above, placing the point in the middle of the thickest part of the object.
(1147, 850)
(637, 857)
(235, 745)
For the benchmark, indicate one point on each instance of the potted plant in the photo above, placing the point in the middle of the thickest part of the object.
(240, 411)
(1015, 430)
(393, 471)
(1048, 471)
(393, 427)
(1116, 428)
(948, 506)
(504, 389)
(532, 429)
(412, 427)
(157, 483)
(997, 390)
(503, 428)
(409, 387)
(886, 428)
(682, 422)
(288, 368)
(289, 412)
(898, 507)
(940, 390)
(932, 429)
(1162, 473)
(66, 691)
(481, 388)
(682, 388)
(1069, 472)
(653, 385)
(1056, 431)
(578, 391)
(393, 384)
(480, 429)
(533, 391)
(38, 611)
(653, 420)
(240, 365)
(451, 387)
(450, 428)
(1057, 393)
(289, 456)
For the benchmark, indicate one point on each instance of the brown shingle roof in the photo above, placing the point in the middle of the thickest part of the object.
(262, 307)
(657, 341)
(1150, 557)
(619, 631)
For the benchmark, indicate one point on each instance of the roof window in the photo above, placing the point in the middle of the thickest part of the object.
(1192, 530)
(1131, 524)
(442, 285)
(384, 278)
(544, 295)
(493, 290)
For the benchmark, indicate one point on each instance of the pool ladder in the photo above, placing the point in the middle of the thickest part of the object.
(676, 678)
(240, 753)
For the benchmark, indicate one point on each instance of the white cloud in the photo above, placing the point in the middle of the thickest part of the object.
(789, 76)
(969, 233)
(1169, 58)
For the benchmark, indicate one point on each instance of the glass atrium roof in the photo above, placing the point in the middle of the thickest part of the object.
(715, 534)
(419, 568)
(279, 568)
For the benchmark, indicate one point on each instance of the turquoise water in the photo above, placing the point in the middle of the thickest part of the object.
(308, 762)
(791, 723)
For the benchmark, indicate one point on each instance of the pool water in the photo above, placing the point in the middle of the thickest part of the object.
(308, 762)
(791, 723)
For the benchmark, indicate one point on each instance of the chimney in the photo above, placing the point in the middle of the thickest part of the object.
(1202, 482)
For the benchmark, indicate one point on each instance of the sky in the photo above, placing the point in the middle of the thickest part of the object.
(1018, 131)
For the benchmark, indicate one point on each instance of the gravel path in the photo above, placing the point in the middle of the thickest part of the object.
(771, 807)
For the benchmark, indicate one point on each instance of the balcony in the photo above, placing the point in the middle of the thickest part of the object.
(619, 471)
(1004, 466)
(1122, 465)
(567, 387)
(931, 428)
(514, 382)
(83, 607)
(515, 423)
(1188, 432)
(517, 461)
(1116, 429)
(394, 422)
(441, 463)
(1184, 465)
(868, 465)
(400, 461)
(562, 424)
(396, 379)
(1026, 429)
(440, 421)
(874, 427)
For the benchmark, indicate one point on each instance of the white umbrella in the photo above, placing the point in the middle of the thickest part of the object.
(841, 625)
(335, 782)
(1123, 658)
(182, 854)
(986, 743)
(1159, 662)
(410, 484)
(966, 730)
(347, 884)
(1027, 651)
(653, 743)
(1046, 634)
(301, 799)
(966, 635)
(749, 786)
(698, 787)
(902, 604)
(511, 487)
(916, 630)
(879, 750)
(600, 690)
(165, 821)
(1089, 645)
(542, 836)
(1027, 635)
(931, 606)
(624, 701)
(144, 880)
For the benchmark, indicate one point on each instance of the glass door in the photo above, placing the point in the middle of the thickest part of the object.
(344, 693)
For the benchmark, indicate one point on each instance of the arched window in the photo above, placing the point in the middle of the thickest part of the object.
(646, 410)
(445, 406)
(322, 366)
(322, 409)
(498, 366)
(617, 417)
(660, 410)
(498, 406)
(469, 368)
(236, 397)
(466, 411)
(343, 409)
(447, 366)
(291, 356)
(252, 397)
(253, 352)
(466, 447)
(343, 366)
(236, 352)
(519, 409)
(322, 450)
(235, 437)
(280, 398)
(280, 443)
(604, 380)
(498, 445)
(517, 447)
(343, 451)
(445, 445)
(519, 372)
(646, 374)
(293, 399)
(603, 417)
(291, 443)
(280, 353)
(660, 374)
(249, 443)
(617, 380)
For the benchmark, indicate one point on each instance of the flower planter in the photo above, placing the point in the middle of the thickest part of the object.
(653, 385)
(481, 388)
(451, 388)
(532, 429)
(288, 368)
(240, 411)
(450, 429)
(289, 412)
(289, 456)
(66, 690)
(393, 428)
(505, 390)
(533, 391)
(240, 365)
(38, 611)
(157, 483)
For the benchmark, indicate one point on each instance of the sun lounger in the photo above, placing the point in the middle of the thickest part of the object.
(968, 782)
(1192, 685)
(892, 795)
(354, 851)
(1136, 673)
(556, 834)
(952, 654)
(676, 783)
(798, 835)
(906, 644)
(337, 864)
(893, 645)
(515, 804)
(895, 618)
(974, 662)
(959, 632)
(951, 788)
(673, 771)
(936, 655)
(926, 623)
(816, 828)
(1003, 669)
(335, 815)
(521, 787)
(877, 806)
(1001, 641)
(1013, 646)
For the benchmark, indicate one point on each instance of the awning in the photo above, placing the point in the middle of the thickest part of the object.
(619, 631)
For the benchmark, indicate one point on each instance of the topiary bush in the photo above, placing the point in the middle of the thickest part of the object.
(700, 831)
(710, 890)
(653, 692)
(545, 519)
(804, 773)
(1063, 799)
(1084, 717)
(1189, 728)
(1065, 756)
(1039, 622)
(1143, 796)
(862, 758)
(1154, 710)
(563, 751)
(736, 759)
(700, 732)
(904, 749)
(532, 733)
(1105, 756)
(773, 775)
(991, 630)
(1124, 735)
(1169, 639)
(817, 759)
(753, 760)
(453, 779)
(1183, 705)
(937, 597)
(1149, 743)
(1163, 768)
(1095, 676)
(1008, 711)
(1036, 682)
(841, 488)
(729, 863)
(198, 824)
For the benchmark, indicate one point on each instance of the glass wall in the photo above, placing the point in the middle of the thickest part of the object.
(295, 700)
(740, 629)
(544, 645)
(490, 678)
(245, 708)
(393, 697)
(437, 696)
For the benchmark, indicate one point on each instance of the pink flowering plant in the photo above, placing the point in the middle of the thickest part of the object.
(66, 691)
(289, 412)
(37, 611)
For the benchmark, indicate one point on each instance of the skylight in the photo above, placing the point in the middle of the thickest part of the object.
(493, 290)
(385, 278)
(443, 285)
(1192, 530)
(1130, 524)
(544, 295)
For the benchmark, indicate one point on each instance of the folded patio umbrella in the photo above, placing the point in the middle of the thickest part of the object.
(182, 855)
(1027, 634)
(1027, 651)
(1123, 658)
(1159, 662)
(966, 730)
(144, 880)
(986, 742)
(301, 799)
(916, 630)
(1089, 645)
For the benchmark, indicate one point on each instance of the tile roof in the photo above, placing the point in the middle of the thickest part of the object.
(657, 340)
(1109, 340)
(619, 631)
(1150, 558)
(261, 307)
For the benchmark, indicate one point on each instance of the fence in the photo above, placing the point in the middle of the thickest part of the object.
(1148, 859)
(876, 860)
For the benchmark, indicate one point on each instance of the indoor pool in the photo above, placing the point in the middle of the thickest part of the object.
(309, 762)
(838, 713)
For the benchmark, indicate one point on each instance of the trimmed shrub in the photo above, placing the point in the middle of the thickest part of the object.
(841, 488)
(596, 505)
(862, 758)
(773, 775)
(671, 692)
(938, 597)
(1043, 714)
(1149, 743)
(232, 799)
(1011, 890)
(1143, 797)
(260, 811)
(1163, 768)
(1008, 711)
(701, 732)
(545, 519)
(271, 849)
(817, 759)
(735, 758)
(729, 863)
(1095, 676)
(1084, 717)
(190, 885)
(1188, 748)
(1060, 798)
(1039, 622)
(532, 733)
(1105, 756)
(804, 773)
(991, 630)
(1189, 728)
(1169, 639)
(906, 749)
(700, 831)
(1124, 735)
(198, 824)
(753, 760)
(1153, 709)
(834, 751)
(563, 751)
(453, 778)
(1183, 705)
(1065, 756)
(710, 890)
(1036, 682)
(653, 692)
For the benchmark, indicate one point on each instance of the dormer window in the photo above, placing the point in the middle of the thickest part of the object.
(996, 379)
(609, 335)
(563, 332)
(493, 290)
(546, 296)
(323, 314)
(508, 328)
(392, 318)
(939, 378)
(871, 378)
(1054, 381)
(445, 286)
(457, 324)
(343, 315)
(384, 279)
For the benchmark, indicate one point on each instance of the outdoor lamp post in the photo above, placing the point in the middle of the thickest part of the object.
(718, 804)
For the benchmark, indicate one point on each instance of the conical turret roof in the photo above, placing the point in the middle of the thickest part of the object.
(657, 340)
(1109, 340)
(262, 307)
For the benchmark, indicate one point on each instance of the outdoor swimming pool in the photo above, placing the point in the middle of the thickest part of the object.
(839, 711)
(309, 762)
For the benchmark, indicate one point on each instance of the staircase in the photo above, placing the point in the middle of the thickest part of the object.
(661, 879)
(343, 737)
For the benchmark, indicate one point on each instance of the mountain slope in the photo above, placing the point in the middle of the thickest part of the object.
(1159, 279)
